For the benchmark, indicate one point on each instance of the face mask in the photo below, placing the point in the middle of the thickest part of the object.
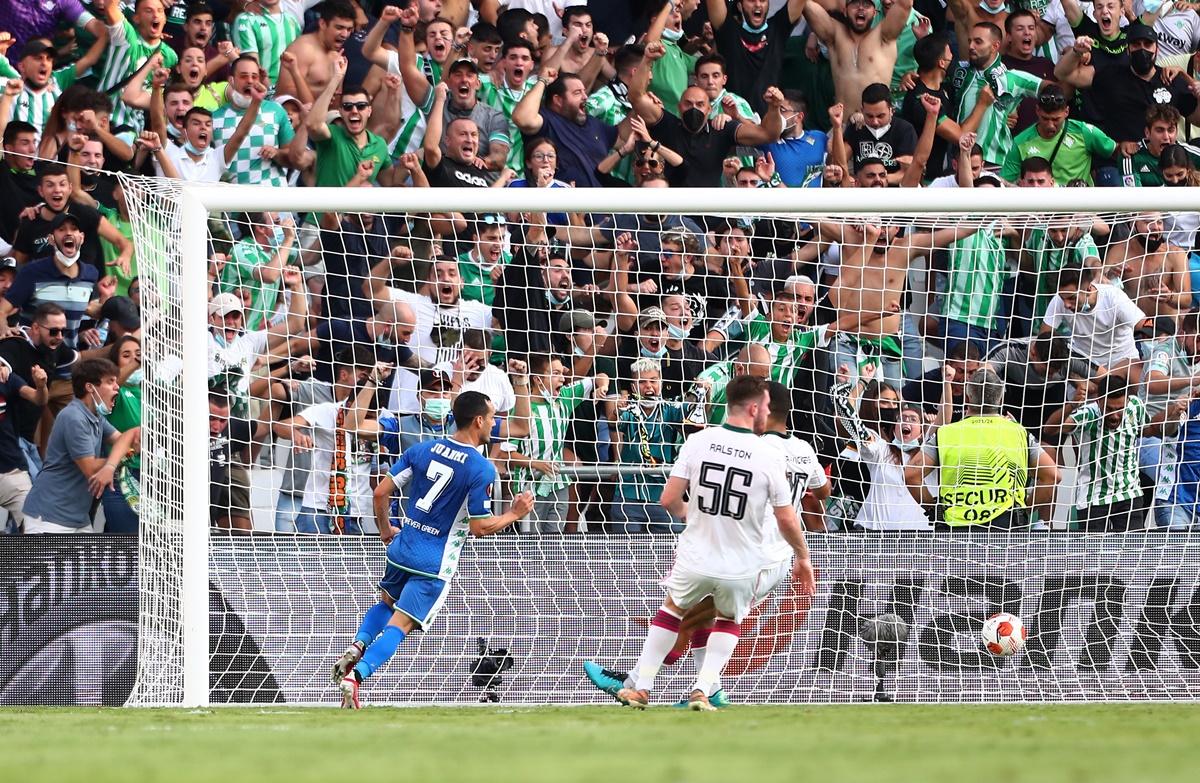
(277, 236)
(987, 9)
(135, 378)
(101, 408)
(888, 417)
(192, 149)
(907, 446)
(693, 120)
(1142, 62)
(879, 132)
(762, 28)
(554, 300)
(1154, 242)
(384, 341)
(238, 100)
(66, 260)
(1085, 305)
(660, 353)
(672, 35)
(577, 351)
(675, 332)
(437, 408)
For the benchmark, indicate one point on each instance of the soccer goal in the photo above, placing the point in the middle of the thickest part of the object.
(619, 315)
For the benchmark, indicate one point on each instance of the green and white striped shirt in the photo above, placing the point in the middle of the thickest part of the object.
(266, 35)
(1009, 87)
(978, 267)
(713, 410)
(610, 104)
(1167, 357)
(239, 272)
(127, 51)
(35, 107)
(505, 99)
(548, 422)
(271, 128)
(785, 356)
(1108, 459)
(411, 135)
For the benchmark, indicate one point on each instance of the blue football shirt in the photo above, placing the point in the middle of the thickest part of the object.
(448, 484)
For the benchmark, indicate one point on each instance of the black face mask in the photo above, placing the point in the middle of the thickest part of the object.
(1142, 62)
(1153, 242)
(888, 418)
(693, 120)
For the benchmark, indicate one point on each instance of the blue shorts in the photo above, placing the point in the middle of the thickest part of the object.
(418, 596)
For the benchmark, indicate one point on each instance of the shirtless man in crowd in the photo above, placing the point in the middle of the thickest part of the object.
(1155, 274)
(859, 53)
(315, 52)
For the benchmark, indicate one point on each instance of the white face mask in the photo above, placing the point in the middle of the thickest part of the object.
(67, 260)
(238, 100)
(879, 132)
(907, 446)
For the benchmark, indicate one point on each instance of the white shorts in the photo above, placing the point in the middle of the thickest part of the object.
(769, 578)
(732, 598)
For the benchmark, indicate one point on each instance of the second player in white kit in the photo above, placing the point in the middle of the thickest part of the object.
(737, 491)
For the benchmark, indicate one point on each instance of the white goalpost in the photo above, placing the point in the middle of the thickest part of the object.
(259, 618)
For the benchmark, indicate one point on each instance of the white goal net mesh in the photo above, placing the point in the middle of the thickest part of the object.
(604, 340)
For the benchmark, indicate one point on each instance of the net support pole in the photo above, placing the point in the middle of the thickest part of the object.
(195, 469)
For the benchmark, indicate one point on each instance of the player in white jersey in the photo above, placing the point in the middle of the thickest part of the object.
(809, 487)
(730, 476)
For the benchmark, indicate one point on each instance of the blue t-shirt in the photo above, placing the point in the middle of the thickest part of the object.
(1187, 478)
(553, 218)
(41, 281)
(580, 147)
(449, 484)
(60, 492)
(800, 162)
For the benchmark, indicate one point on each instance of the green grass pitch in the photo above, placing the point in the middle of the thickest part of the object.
(963, 744)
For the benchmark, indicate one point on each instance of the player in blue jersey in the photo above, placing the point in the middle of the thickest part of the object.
(449, 493)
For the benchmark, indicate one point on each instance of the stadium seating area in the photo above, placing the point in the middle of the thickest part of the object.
(337, 340)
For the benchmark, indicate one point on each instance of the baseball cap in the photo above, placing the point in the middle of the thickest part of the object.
(282, 99)
(8, 262)
(434, 379)
(1140, 32)
(63, 217)
(576, 320)
(122, 310)
(224, 304)
(463, 62)
(35, 47)
(652, 315)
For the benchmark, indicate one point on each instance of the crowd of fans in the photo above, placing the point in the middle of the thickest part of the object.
(338, 339)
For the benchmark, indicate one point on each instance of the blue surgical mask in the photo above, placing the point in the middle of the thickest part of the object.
(277, 236)
(672, 35)
(762, 28)
(436, 408)
(101, 408)
(192, 149)
(135, 378)
(988, 9)
(675, 332)
(660, 353)
(907, 446)
(554, 300)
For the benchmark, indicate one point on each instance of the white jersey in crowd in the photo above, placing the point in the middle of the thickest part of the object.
(735, 481)
(804, 473)
(353, 455)
(1104, 334)
(437, 338)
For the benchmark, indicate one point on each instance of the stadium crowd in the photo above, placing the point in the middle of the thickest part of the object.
(337, 340)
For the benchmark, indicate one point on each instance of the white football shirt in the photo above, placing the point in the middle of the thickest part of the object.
(804, 473)
(735, 480)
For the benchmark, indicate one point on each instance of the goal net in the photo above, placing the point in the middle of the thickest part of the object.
(604, 327)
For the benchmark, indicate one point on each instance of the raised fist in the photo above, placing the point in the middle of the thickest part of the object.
(390, 13)
(655, 50)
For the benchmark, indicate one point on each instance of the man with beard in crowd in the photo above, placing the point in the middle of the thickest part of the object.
(861, 54)
(317, 52)
(1155, 273)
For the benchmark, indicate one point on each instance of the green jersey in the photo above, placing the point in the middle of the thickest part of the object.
(33, 106)
(1048, 258)
(1108, 458)
(786, 356)
(478, 285)
(271, 128)
(265, 35)
(610, 105)
(505, 99)
(1141, 168)
(339, 155)
(978, 268)
(110, 251)
(1078, 144)
(240, 272)
(1009, 87)
(548, 422)
(710, 406)
(127, 51)
(670, 75)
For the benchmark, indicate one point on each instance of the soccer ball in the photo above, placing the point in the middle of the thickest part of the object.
(1003, 634)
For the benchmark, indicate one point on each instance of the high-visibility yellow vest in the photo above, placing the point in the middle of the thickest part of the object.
(984, 465)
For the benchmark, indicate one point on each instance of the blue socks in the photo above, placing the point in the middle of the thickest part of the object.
(380, 651)
(372, 623)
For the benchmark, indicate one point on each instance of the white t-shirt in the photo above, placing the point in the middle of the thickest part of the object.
(236, 360)
(1178, 31)
(888, 505)
(804, 473)
(1104, 334)
(947, 181)
(323, 418)
(495, 384)
(437, 338)
(209, 168)
(735, 480)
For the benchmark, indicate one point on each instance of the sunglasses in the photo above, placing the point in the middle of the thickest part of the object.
(651, 162)
(357, 105)
(53, 331)
(1052, 101)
